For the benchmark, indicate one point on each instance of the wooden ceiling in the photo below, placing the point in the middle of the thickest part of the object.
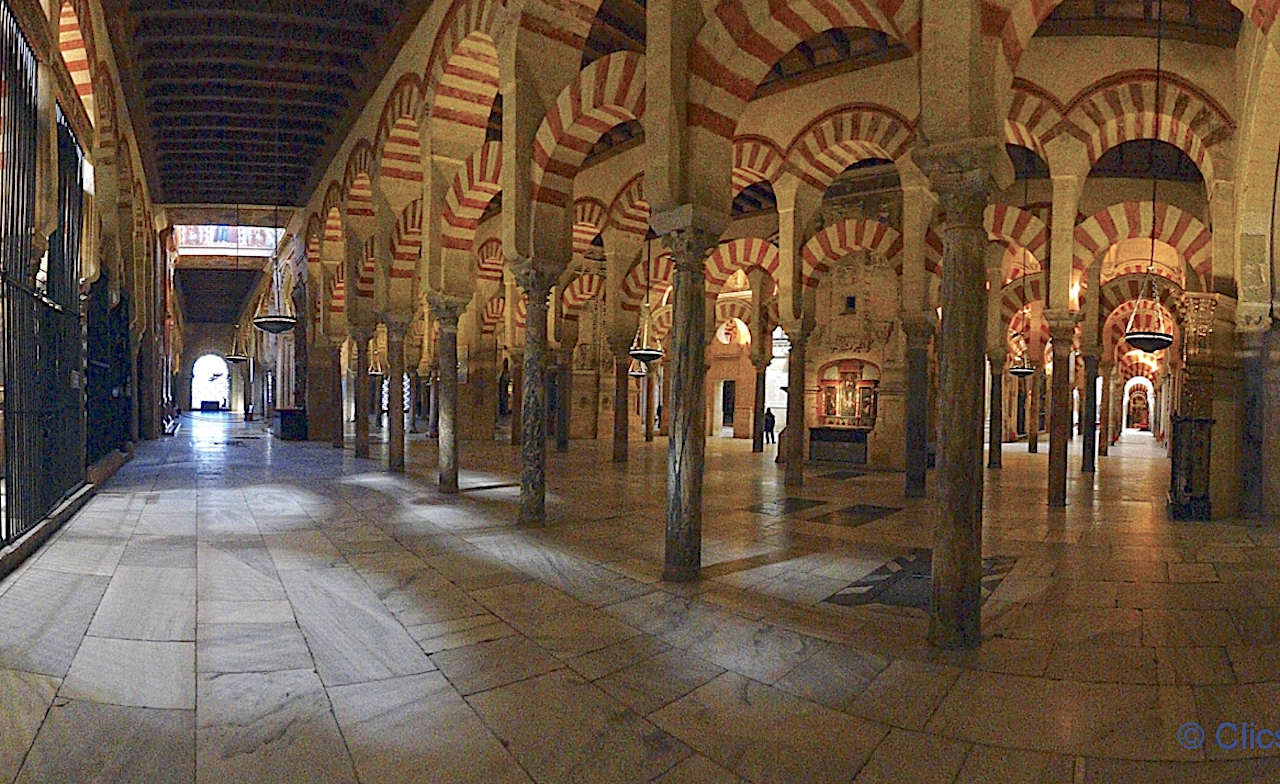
(247, 102)
(214, 296)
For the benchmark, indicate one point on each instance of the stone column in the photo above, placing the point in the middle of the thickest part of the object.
(396, 329)
(1104, 413)
(1035, 383)
(650, 386)
(1062, 329)
(517, 396)
(564, 399)
(960, 174)
(447, 310)
(415, 394)
(433, 424)
(360, 388)
(536, 282)
(919, 331)
(686, 407)
(995, 420)
(761, 364)
(337, 434)
(793, 475)
(664, 426)
(1088, 420)
(621, 400)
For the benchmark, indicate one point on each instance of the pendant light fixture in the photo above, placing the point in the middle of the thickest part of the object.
(375, 361)
(237, 353)
(274, 317)
(638, 369)
(642, 349)
(1156, 336)
(1021, 367)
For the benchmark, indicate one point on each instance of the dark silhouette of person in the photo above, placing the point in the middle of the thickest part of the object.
(768, 426)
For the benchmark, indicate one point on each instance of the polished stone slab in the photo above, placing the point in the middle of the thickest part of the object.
(24, 701)
(43, 618)
(251, 647)
(134, 673)
(491, 664)
(148, 603)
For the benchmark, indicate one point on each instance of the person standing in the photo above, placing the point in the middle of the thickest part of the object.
(768, 426)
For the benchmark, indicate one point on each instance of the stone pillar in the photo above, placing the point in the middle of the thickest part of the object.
(1089, 419)
(919, 332)
(433, 416)
(794, 447)
(1062, 330)
(960, 174)
(621, 401)
(447, 310)
(1035, 382)
(337, 433)
(686, 445)
(517, 396)
(995, 419)
(396, 329)
(564, 399)
(360, 388)
(415, 395)
(650, 387)
(536, 282)
(757, 409)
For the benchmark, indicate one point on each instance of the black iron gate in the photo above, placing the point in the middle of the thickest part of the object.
(43, 339)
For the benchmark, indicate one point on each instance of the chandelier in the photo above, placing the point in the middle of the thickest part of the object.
(643, 349)
(237, 353)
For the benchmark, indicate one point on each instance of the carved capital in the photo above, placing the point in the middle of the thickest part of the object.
(919, 330)
(964, 174)
(689, 248)
(361, 333)
(1253, 317)
(534, 278)
(397, 326)
(1062, 324)
(1198, 312)
(446, 309)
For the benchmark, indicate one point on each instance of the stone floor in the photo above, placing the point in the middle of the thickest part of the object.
(231, 608)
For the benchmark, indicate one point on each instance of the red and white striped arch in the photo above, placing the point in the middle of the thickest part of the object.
(660, 272)
(474, 186)
(1117, 324)
(400, 170)
(76, 52)
(755, 159)
(1128, 288)
(588, 221)
(406, 242)
(740, 254)
(357, 186)
(367, 270)
(1017, 227)
(661, 318)
(489, 260)
(578, 293)
(1133, 220)
(522, 311)
(629, 212)
(1028, 332)
(743, 39)
(835, 242)
(463, 81)
(1016, 296)
(606, 93)
(334, 250)
(463, 19)
(494, 311)
(844, 136)
(338, 292)
(733, 307)
(1034, 117)
(405, 100)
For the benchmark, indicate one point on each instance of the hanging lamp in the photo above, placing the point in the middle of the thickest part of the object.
(1021, 366)
(237, 353)
(1156, 336)
(281, 317)
(642, 349)
(375, 362)
(638, 368)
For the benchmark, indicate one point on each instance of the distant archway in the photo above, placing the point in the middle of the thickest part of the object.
(210, 382)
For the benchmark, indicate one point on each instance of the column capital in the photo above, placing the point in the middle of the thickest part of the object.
(397, 326)
(535, 278)
(361, 333)
(918, 329)
(1062, 324)
(964, 173)
(1091, 352)
(447, 309)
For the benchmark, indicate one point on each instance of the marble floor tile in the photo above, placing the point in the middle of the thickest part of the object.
(237, 569)
(80, 556)
(307, 549)
(989, 764)
(600, 663)
(650, 684)
(765, 735)
(351, 635)
(906, 757)
(133, 673)
(459, 633)
(268, 728)
(251, 647)
(278, 611)
(417, 729)
(24, 700)
(554, 620)
(420, 595)
(905, 694)
(176, 552)
(91, 743)
(148, 603)
(834, 676)
(488, 665)
(43, 617)
(562, 729)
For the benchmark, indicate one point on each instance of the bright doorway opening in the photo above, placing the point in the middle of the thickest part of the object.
(210, 383)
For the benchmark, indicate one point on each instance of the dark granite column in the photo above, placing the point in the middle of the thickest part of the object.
(919, 332)
(337, 435)
(517, 396)
(447, 310)
(995, 418)
(650, 387)
(793, 474)
(1062, 329)
(564, 399)
(960, 175)
(536, 282)
(1089, 417)
(396, 329)
(1104, 417)
(1035, 382)
(360, 388)
(686, 407)
(433, 423)
(415, 394)
(621, 403)
(757, 410)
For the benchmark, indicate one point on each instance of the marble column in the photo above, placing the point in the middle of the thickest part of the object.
(793, 474)
(664, 423)
(564, 398)
(621, 402)
(337, 434)
(919, 332)
(1035, 382)
(650, 391)
(360, 388)
(433, 423)
(686, 407)
(1088, 420)
(757, 409)
(960, 176)
(415, 394)
(396, 329)
(995, 419)
(447, 310)
(1062, 329)
(536, 281)
(517, 396)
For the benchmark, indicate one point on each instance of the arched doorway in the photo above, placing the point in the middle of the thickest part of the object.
(1137, 404)
(210, 383)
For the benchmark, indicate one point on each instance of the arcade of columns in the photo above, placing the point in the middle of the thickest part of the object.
(478, 215)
